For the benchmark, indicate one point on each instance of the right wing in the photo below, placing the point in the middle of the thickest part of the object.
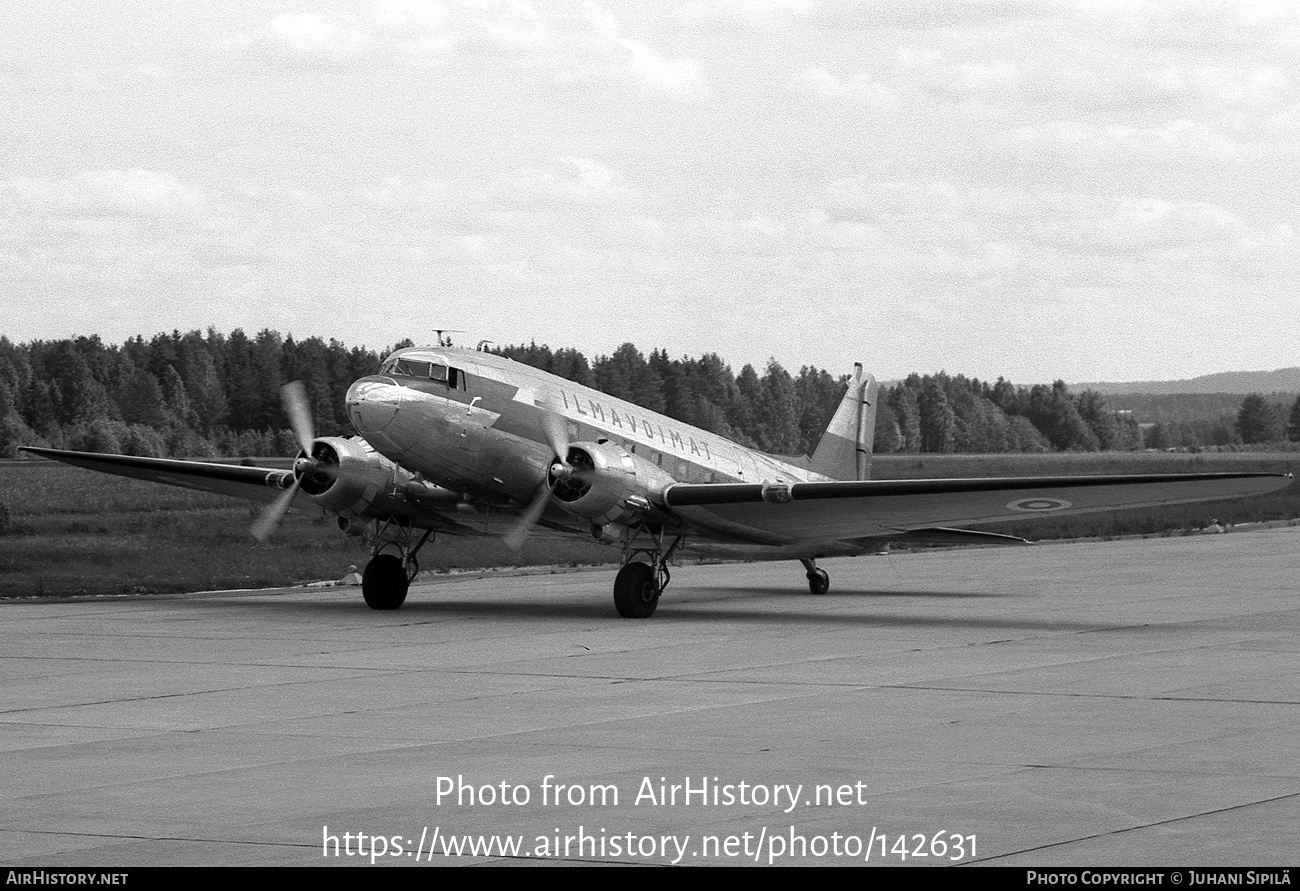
(434, 509)
(263, 484)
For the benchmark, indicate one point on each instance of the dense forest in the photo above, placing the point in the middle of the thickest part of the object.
(209, 394)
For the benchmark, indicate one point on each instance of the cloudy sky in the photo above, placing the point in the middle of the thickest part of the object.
(1080, 190)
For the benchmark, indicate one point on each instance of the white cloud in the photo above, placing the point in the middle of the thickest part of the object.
(1176, 138)
(767, 14)
(1208, 23)
(336, 36)
(630, 63)
(571, 180)
(1007, 215)
(1129, 97)
(920, 77)
(1057, 238)
(133, 192)
(819, 83)
(93, 79)
(1259, 86)
(985, 77)
(863, 15)
(407, 31)
(929, 71)
(578, 43)
(680, 79)
(1084, 224)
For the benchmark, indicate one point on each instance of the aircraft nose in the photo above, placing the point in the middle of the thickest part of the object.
(372, 404)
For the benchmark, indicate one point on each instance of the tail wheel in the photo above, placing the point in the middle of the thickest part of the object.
(636, 592)
(384, 582)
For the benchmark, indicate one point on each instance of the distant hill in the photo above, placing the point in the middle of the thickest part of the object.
(1284, 380)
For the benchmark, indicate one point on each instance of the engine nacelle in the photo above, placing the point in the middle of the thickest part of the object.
(608, 484)
(349, 478)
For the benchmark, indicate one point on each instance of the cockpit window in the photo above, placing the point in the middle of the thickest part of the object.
(432, 371)
(405, 368)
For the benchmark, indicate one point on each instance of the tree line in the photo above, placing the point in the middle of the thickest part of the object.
(210, 394)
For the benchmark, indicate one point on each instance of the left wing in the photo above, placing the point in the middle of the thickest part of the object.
(784, 513)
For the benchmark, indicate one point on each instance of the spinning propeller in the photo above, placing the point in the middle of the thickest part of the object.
(560, 473)
(293, 396)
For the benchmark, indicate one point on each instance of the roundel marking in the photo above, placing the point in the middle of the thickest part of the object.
(1034, 505)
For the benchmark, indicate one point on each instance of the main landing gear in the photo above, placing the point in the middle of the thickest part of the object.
(638, 584)
(818, 581)
(388, 575)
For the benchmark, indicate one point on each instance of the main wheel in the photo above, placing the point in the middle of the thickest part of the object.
(384, 582)
(819, 582)
(636, 594)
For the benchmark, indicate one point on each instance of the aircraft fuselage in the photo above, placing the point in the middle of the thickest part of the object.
(473, 422)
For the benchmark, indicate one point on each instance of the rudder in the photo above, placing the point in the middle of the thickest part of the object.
(844, 452)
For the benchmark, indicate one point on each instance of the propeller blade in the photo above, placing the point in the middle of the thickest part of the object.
(516, 537)
(557, 436)
(557, 433)
(293, 396)
(270, 518)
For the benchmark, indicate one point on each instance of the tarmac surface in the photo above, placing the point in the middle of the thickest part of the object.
(1103, 703)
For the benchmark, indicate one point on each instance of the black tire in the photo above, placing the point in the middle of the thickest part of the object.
(635, 592)
(819, 582)
(384, 583)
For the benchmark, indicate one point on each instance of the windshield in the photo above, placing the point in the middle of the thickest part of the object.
(428, 371)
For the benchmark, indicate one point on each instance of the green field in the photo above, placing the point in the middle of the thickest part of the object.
(70, 531)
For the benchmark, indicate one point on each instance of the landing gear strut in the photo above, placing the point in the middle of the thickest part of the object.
(818, 581)
(388, 575)
(638, 585)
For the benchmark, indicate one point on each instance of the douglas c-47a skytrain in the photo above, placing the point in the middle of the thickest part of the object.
(458, 441)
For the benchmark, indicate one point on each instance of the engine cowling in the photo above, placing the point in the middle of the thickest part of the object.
(607, 484)
(349, 478)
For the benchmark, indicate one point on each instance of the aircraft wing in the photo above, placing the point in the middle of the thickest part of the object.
(237, 480)
(783, 513)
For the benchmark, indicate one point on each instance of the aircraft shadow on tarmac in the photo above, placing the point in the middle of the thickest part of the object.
(696, 606)
(775, 591)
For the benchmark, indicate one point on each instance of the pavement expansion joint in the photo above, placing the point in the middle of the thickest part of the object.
(1149, 825)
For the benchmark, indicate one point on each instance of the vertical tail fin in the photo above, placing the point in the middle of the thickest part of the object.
(844, 452)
